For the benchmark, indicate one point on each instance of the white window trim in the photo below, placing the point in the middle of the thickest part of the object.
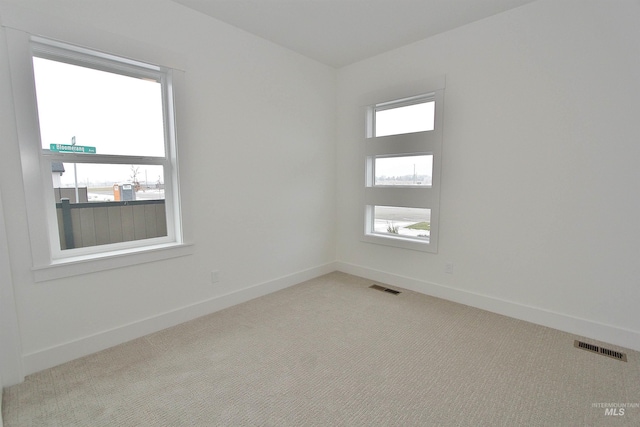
(427, 142)
(371, 170)
(47, 265)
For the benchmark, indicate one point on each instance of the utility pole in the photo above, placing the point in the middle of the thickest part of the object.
(75, 171)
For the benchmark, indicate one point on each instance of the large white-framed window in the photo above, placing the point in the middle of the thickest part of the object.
(403, 151)
(97, 135)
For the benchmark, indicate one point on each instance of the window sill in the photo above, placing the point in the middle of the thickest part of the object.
(399, 242)
(76, 266)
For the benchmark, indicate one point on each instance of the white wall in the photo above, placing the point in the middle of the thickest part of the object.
(10, 350)
(257, 169)
(539, 189)
(10, 354)
(539, 202)
(11, 370)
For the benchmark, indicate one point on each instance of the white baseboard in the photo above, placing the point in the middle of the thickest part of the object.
(574, 325)
(56, 355)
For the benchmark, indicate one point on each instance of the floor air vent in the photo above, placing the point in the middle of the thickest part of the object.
(383, 289)
(600, 350)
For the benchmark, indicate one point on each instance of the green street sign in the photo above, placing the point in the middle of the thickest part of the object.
(66, 148)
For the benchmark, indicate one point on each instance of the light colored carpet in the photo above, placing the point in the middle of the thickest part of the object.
(332, 352)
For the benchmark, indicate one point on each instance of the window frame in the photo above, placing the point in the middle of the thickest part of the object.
(427, 142)
(108, 63)
(49, 261)
(399, 103)
(387, 156)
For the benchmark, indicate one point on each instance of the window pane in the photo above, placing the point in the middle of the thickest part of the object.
(108, 203)
(114, 113)
(407, 119)
(402, 222)
(404, 170)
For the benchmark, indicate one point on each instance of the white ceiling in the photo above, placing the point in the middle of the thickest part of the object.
(341, 32)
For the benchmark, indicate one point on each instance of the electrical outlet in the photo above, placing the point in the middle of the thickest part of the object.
(215, 276)
(448, 268)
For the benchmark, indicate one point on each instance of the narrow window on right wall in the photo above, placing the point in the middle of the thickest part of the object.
(403, 149)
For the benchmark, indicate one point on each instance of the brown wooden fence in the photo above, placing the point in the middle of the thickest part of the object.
(101, 223)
